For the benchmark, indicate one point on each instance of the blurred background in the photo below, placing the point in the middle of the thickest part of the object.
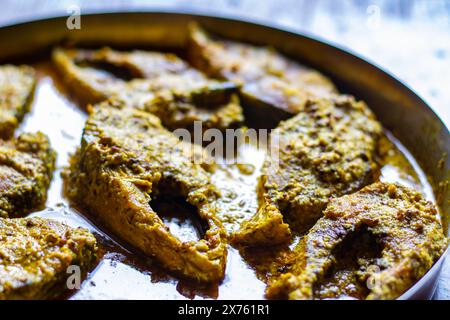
(409, 38)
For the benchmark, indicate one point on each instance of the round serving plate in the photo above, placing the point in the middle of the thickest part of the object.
(400, 110)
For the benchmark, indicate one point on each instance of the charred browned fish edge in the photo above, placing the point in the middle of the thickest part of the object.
(270, 82)
(328, 150)
(127, 159)
(26, 169)
(36, 255)
(17, 85)
(402, 222)
(162, 84)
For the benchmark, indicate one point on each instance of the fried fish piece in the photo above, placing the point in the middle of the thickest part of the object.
(96, 75)
(405, 239)
(269, 80)
(36, 254)
(126, 161)
(17, 85)
(326, 151)
(26, 168)
(159, 83)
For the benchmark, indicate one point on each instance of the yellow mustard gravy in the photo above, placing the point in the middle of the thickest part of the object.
(124, 274)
